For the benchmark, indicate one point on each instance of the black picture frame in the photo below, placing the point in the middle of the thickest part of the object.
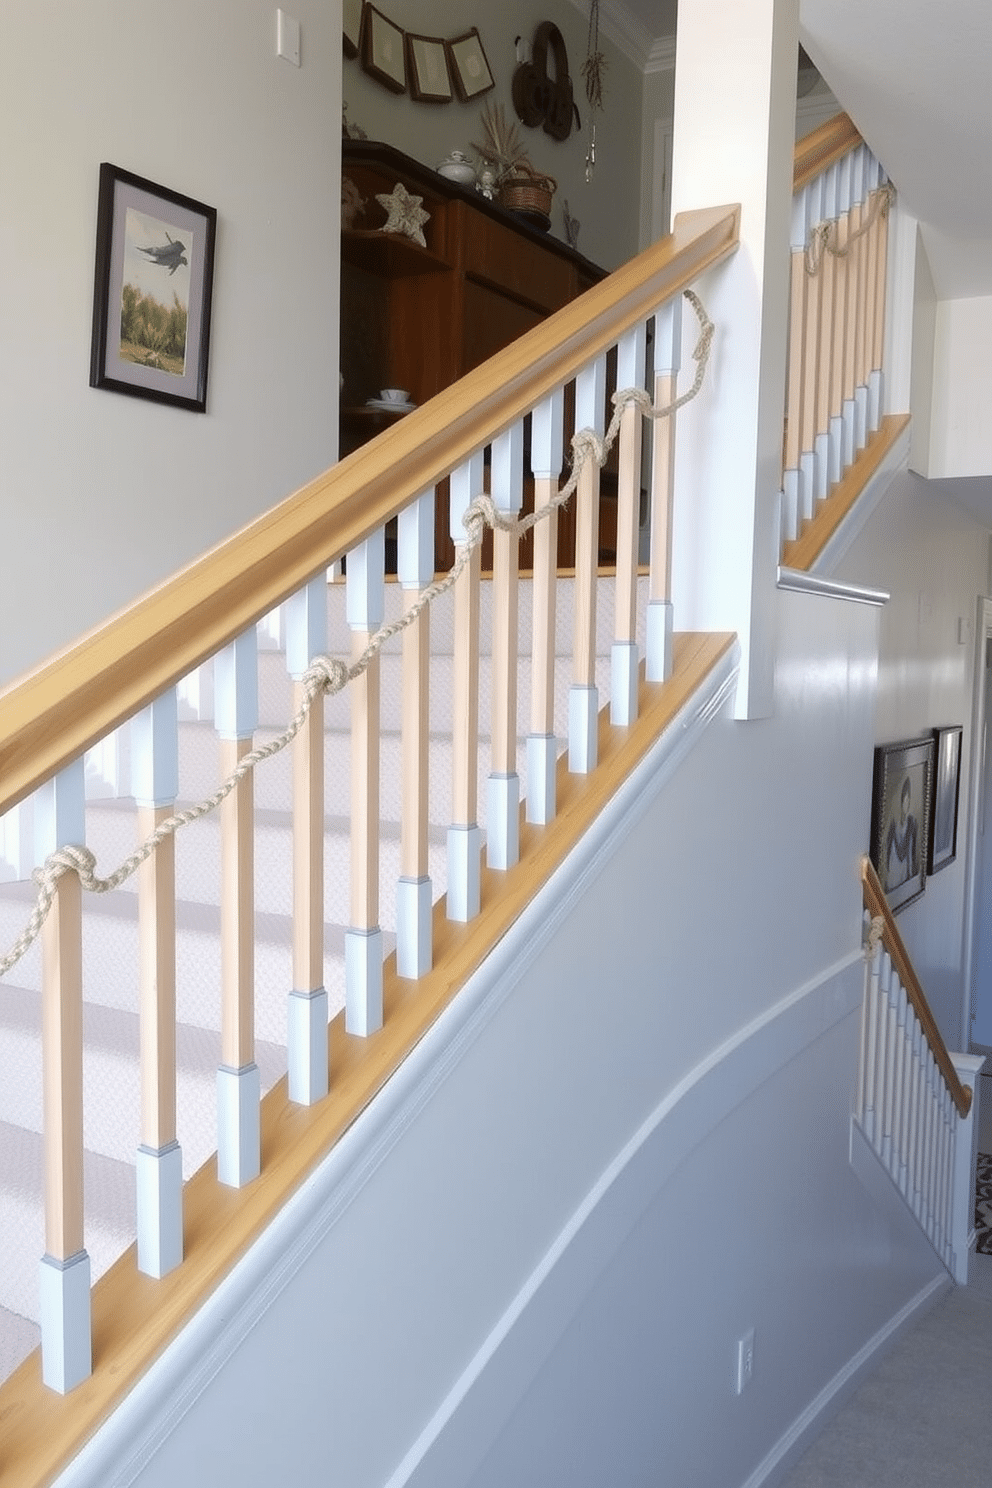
(943, 840)
(469, 66)
(901, 808)
(152, 242)
(427, 70)
(383, 51)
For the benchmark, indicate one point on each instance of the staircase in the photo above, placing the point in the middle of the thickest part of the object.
(110, 928)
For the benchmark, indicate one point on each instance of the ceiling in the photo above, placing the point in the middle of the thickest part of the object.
(916, 79)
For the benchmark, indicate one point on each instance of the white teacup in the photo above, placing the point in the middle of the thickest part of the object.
(394, 395)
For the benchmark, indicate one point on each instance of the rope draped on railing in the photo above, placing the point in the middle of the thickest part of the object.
(819, 243)
(328, 676)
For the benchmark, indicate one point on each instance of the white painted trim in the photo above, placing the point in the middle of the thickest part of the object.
(414, 927)
(659, 641)
(130, 1438)
(464, 872)
(66, 1332)
(159, 1198)
(542, 778)
(583, 729)
(624, 674)
(239, 1141)
(363, 981)
(502, 821)
(306, 1046)
(801, 582)
(793, 1443)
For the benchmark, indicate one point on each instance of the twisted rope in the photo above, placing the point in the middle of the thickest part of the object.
(327, 676)
(819, 243)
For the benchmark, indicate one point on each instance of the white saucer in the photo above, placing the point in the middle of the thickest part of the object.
(389, 405)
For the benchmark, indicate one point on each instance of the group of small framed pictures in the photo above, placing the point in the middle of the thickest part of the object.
(432, 69)
(914, 811)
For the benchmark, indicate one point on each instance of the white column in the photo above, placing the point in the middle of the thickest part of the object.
(661, 614)
(963, 1171)
(464, 835)
(624, 658)
(735, 80)
(583, 697)
(546, 446)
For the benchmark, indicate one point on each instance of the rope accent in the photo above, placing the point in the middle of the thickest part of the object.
(327, 675)
(819, 243)
(873, 940)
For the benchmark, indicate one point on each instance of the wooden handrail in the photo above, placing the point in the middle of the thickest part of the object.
(53, 714)
(832, 141)
(878, 907)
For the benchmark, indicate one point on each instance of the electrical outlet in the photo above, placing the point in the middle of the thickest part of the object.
(745, 1360)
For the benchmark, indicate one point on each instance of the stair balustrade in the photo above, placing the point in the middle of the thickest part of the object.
(477, 434)
(914, 1100)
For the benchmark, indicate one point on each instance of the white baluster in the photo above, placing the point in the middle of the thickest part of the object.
(546, 436)
(811, 476)
(961, 1216)
(792, 512)
(899, 1092)
(464, 836)
(872, 999)
(660, 616)
(583, 697)
(66, 1350)
(825, 462)
(884, 977)
(304, 622)
(365, 607)
(503, 792)
(414, 892)
(159, 1163)
(624, 657)
(238, 1080)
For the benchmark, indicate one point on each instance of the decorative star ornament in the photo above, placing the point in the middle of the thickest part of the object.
(406, 214)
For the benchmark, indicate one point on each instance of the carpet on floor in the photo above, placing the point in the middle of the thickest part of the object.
(983, 1205)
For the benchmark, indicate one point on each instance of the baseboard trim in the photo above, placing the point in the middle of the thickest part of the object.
(834, 1395)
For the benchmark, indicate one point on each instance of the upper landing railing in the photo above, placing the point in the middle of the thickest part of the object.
(128, 670)
(834, 433)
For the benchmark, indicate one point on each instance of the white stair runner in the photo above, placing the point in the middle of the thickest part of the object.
(110, 935)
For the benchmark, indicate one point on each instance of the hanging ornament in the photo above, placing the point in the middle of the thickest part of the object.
(593, 69)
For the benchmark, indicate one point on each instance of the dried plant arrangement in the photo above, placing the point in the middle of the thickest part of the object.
(501, 149)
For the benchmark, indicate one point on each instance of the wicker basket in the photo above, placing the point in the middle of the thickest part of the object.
(527, 190)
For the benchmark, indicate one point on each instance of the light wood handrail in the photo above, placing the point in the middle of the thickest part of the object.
(53, 714)
(820, 149)
(878, 907)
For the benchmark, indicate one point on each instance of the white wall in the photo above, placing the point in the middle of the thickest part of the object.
(961, 432)
(101, 494)
(625, 1143)
(932, 557)
(608, 207)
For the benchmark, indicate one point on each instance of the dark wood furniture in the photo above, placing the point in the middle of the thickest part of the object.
(420, 318)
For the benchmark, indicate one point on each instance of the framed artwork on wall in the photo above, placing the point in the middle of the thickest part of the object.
(943, 841)
(152, 291)
(427, 69)
(469, 66)
(901, 808)
(351, 26)
(383, 52)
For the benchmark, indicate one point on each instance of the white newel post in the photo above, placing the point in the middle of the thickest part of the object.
(963, 1181)
(464, 834)
(305, 621)
(66, 1349)
(503, 786)
(414, 892)
(546, 448)
(365, 607)
(238, 1080)
(159, 1163)
(735, 78)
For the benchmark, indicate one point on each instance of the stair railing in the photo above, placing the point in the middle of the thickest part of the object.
(834, 392)
(914, 1099)
(128, 670)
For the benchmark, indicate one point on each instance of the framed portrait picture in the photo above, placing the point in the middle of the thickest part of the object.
(351, 26)
(943, 843)
(427, 69)
(469, 66)
(901, 807)
(152, 291)
(383, 53)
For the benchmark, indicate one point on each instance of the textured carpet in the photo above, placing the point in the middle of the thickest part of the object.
(921, 1420)
(983, 1205)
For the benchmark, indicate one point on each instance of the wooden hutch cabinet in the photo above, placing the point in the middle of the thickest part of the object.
(420, 318)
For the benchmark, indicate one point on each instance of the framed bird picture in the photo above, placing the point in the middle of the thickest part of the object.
(152, 291)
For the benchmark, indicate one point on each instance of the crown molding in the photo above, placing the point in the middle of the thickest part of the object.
(630, 36)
